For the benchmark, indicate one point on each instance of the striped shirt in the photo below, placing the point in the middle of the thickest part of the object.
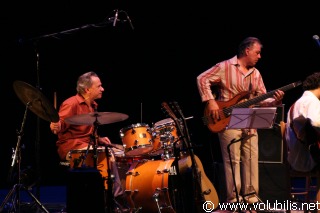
(230, 80)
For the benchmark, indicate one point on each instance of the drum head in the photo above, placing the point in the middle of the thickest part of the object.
(164, 122)
(132, 126)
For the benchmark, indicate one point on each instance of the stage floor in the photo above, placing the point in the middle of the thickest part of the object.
(53, 199)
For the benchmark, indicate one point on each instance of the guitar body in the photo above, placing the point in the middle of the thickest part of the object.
(218, 125)
(207, 189)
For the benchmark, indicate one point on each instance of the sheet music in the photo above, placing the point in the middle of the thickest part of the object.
(257, 118)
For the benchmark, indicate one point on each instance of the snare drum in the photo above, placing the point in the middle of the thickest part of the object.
(136, 139)
(164, 136)
(79, 159)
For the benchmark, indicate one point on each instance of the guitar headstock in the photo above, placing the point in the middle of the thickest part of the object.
(177, 108)
(167, 109)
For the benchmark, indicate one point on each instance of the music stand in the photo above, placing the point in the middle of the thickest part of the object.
(249, 118)
(256, 118)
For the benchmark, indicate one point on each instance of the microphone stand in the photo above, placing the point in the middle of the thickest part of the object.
(183, 131)
(16, 159)
(247, 137)
(107, 21)
(187, 141)
(231, 165)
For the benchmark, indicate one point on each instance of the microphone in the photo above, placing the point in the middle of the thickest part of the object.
(115, 18)
(316, 38)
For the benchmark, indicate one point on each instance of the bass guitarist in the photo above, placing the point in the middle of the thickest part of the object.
(232, 78)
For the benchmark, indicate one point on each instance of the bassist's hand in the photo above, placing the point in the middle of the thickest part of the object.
(213, 109)
(278, 96)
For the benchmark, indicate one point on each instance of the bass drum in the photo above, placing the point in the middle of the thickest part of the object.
(149, 187)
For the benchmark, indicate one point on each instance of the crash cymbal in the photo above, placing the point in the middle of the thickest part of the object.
(98, 118)
(35, 101)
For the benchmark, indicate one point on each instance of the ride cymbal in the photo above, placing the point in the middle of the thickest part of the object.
(98, 118)
(36, 101)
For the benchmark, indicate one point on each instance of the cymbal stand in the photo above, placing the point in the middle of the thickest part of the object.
(94, 139)
(15, 191)
(110, 177)
(110, 197)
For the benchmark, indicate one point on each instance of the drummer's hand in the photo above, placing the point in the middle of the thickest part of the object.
(104, 140)
(55, 127)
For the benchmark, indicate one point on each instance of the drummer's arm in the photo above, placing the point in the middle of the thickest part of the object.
(66, 110)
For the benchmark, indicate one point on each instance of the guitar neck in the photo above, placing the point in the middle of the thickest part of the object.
(260, 98)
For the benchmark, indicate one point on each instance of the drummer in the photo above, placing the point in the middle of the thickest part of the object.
(76, 137)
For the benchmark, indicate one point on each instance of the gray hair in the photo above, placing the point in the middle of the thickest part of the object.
(247, 42)
(84, 81)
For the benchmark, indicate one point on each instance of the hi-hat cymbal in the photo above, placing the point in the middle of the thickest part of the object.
(98, 118)
(117, 146)
(35, 101)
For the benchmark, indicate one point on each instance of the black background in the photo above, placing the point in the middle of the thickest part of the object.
(171, 44)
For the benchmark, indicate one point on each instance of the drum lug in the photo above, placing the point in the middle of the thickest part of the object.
(133, 173)
(166, 170)
(163, 171)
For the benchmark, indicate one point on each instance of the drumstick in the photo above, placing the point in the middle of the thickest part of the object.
(141, 112)
(55, 105)
(55, 100)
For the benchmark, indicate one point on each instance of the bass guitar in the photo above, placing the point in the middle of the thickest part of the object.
(206, 188)
(226, 107)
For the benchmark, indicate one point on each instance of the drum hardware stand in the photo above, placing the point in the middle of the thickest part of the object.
(110, 197)
(156, 199)
(248, 118)
(110, 180)
(167, 142)
(16, 159)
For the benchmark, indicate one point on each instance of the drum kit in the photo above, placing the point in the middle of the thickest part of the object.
(145, 160)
